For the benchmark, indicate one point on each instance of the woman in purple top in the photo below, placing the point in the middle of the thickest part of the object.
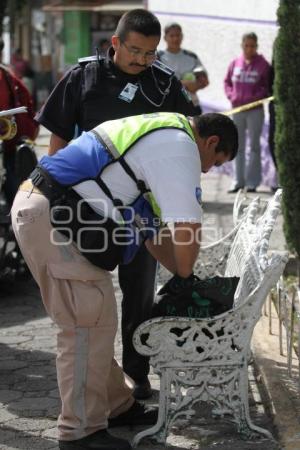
(246, 81)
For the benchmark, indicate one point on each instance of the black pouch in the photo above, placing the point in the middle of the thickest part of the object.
(205, 298)
(94, 236)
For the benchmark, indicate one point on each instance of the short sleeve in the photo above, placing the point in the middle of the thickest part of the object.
(60, 112)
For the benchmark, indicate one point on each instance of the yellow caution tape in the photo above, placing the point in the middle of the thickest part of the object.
(248, 106)
(226, 113)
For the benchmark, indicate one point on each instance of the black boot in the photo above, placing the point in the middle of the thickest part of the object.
(101, 440)
(137, 414)
(142, 389)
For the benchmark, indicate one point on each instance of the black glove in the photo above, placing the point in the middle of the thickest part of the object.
(176, 285)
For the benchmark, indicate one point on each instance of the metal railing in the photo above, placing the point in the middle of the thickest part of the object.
(286, 300)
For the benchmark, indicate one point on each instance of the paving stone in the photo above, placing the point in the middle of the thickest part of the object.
(36, 356)
(26, 424)
(30, 443)
(7, 396)
(54, 393)
(5, 416)
(36, 384)
(37, 394)
(6, 435)
(33, 404)
(6, 355)
(42, 345)
(39, 332)
(51, 433)
(10, 379)
(11, 364)
(38, 371)
(11, 339)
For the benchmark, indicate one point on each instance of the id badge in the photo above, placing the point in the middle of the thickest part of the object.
(128, 92)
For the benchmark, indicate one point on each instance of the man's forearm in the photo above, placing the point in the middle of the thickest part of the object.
(179, 250)
(161, 248)
(56, 143)
(186, 241)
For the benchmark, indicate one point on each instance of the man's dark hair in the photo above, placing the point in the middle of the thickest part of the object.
(172, 25)
(140, 21)
(251, 35)
(215, 124)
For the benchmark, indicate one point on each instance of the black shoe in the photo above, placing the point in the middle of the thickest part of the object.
(101, 440)
(251, 189)
(235, 189)
(138, 414)
(142, 389)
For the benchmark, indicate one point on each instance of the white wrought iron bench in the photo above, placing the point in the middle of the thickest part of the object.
(206, 359)
(241, 202)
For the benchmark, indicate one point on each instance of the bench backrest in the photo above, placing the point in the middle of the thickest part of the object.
(251, 232)
(248, 257)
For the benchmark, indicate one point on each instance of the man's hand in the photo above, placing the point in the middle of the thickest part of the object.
(177, 284)
(200, 81)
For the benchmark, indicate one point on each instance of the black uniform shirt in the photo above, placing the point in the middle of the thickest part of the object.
(89, 94)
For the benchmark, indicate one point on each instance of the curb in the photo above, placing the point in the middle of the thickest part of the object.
(283, 393)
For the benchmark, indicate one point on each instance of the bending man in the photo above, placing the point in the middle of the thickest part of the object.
(88, 208)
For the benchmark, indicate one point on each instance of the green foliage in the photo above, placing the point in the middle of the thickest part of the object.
(287, 107)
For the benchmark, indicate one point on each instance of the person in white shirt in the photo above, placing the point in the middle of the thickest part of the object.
(186, 64)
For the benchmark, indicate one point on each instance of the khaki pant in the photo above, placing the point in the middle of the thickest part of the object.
(79, 297)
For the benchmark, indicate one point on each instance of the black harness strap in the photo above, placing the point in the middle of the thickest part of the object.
(140, 183)
(116, 201)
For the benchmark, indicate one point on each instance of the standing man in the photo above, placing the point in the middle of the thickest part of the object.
(128, 81)
(186, 65)
(134, 174)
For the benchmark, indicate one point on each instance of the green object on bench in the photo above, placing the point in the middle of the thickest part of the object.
(205, 298)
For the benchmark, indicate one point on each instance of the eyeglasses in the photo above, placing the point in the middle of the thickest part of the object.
(148, 56)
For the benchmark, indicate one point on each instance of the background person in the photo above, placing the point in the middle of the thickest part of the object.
(127, 82)
(187, 66)
(14, 94)
(79, 295)
(23, 70)
(246, 81)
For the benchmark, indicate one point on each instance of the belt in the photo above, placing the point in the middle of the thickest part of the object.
(46, 185)
(27, 186)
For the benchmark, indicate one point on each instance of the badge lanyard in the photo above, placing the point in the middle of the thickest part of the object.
(163, 93)
(128, 93)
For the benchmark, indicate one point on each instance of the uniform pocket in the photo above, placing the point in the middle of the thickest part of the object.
(25, 216)
(81, 296)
